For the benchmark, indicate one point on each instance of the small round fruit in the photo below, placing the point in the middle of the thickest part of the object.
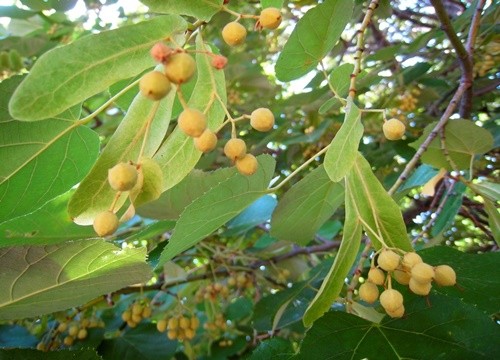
(126, 315)
(146, 312)
(247, 165)
(393, 129)
(206, 142)
(122, 176)
(62, 327)
(420, 288)
(173, 323)
(161, 325)
(82, 334)
(391, 300)
(180, 68)
(136, 318)
(195, 323)
(160, 52)
(154, 85)
(401, 277)
(444, 275)
(68, 340)
(184, 323)
(189, 333)
(105, 223)
(376, 276)
(192, 122)
(235, 149)
(422, 272)
(262, 119)
(219, 62)
(234, 33)
(388, 260)
(368, 292)
(399, 312)
(410, 259)
(270, 18)
(136, 309)
(172, 334)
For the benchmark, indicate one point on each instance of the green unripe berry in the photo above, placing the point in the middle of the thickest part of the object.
(376, 276)
(235, 149)
(270, 18)
(122, 177)
(391, 300)
(444, 275)
(422, 272)
(105, 223)
(180, 68)
(154, 85)
(247, 165)
(192, 122)
(234, 33)
(393, 129)
(368, 292)
(388, 260)
(262, 119)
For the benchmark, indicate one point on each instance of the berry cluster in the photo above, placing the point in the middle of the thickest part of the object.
(407, 270)
(136, 313)
(179, 327)
(217, 325)
(211, 292)
(10, 61)
(488, 59)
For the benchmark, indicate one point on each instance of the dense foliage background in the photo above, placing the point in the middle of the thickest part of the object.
(258, 267)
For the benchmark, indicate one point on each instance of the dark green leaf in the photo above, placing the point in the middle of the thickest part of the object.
(275, 348)
(415, 71)
(7, 87)
(450, 209)
(493, 219)
(16, 336)
(419, 177)
(255, 214)
(31, 354)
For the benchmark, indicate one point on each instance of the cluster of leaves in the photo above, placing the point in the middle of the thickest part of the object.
(263, 269)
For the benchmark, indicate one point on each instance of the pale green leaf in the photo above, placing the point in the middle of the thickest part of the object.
(493, 219)
(201, 9)
(217, 206)
(50, 224)
(278, 4)
(69, 74)
(172, 202)
(379, 213)
(45, 159)
(487, 190)
(340, 78)
(36, 280)
(344, 260)
(306, 206)
(178, 156)
(343, 149)
(464, 139)
(94, 194)
(312, 38)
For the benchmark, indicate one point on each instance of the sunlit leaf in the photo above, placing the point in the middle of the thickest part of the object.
(256, 213)
(449, 209)
(36, 280)
(419, 177)
(201, 9)
(493, 219)
(69, 74)
(487, 189)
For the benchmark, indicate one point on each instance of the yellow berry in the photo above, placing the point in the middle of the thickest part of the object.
(234, 33)
(180, 68)
(192, 122)
(368, 292)
(161, 325)
(137, 318)
(206, 142)
(136, 309)
(146, 312)
(399, 312)
(82, 334)
(388, 260)
(410, 259)
(73, 330)
(195, 322)
(68, 340)
(391, 300)
(41, 346)
(247, 165)
(122, 177)
(172, 334)
(154, 85)
(105, 223)
(126, 315)
(189, 333)
(444, 275)
(184, 323)
(401, 277)
(131, 324)
(62, 327)
(262, 119)
(270, 18)
(422, 272)
(393, 129)
(419, 288)
(173, 323)
(376, 276)
(235, 149)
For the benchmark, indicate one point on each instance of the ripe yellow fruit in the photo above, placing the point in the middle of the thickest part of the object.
(173, 323)
(401, 277)
(136, 318)
(68, 340)
(62, 327)
(388, 260)
(154, 85)
(234, 33)
(206, 142)
(247, 165)
(192, 122)
(422, 272)
(146, 312)
(393, 129)
(399, 312)
(235, 149)
(368, 292)
(184, 323)
(391, 300)
(189, 334)
(420, 288)
(376, 276)
(180, 68)
(444, 275)
(172, 334)
(82, 334)
(262, 119)
(410, 259)
(122, 176)
(195, 322)
(105, 223)
(150, 183)
(161, 325)
(127, 315)
(136, 309)
(270, 18)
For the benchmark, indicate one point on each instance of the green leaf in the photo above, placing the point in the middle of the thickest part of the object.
(449, 210)
(340, 78)
(278, 4)
(201, 9)
(487, 190)
(46, 159)
(36, 280)
(275, 348)
(7, 87)
(464, 139)
(344, 260)
(16, 336)
(94, 193)
(306, 206)
(217, 206)
(312, 38)
(69, 74)
(255, 214)
(448, 330)
(493, 219)
(15, 13)
(414, 72)
(178, 156)
(379, 213)
(172, 202)
(343, 149)
(419, 177)
(142, 342)
(48, 225)
(32, 354)
(477, 282)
